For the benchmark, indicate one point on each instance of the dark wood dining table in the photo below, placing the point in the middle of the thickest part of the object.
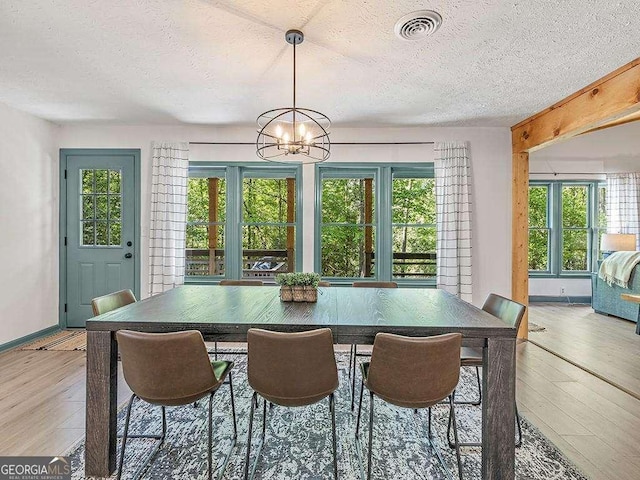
(354, 315)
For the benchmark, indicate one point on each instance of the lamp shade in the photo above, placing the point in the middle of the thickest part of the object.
(618, 242)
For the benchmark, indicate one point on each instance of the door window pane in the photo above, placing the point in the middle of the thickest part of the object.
(100, 207)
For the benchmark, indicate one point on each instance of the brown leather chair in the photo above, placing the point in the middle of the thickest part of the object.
(242, 283)
(181, 374)
(109, 302)
(292, 370)
(353, 352)
(412, 372)
(511, 313)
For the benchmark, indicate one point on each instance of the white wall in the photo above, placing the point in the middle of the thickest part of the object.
(28, 223)
(586, 157)
(491, 168)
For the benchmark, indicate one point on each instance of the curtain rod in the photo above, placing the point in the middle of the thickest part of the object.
(332, 143)
(571, 173)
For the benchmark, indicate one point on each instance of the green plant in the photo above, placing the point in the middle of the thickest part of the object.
(297, 279)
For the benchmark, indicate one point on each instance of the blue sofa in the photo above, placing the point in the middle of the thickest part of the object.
(605, 299)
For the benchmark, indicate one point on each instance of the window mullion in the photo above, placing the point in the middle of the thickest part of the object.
(233, 241)
(384, 233)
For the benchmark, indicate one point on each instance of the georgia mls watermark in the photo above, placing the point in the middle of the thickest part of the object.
(35, 468)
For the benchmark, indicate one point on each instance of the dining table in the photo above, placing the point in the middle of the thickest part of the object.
(354, 315)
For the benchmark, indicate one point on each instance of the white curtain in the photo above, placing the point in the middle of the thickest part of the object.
(623, 204)
(453, 216)
(168, 216)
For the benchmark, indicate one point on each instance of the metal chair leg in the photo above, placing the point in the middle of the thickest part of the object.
(215, 350)
(452, 418)
(210, 439)
(353, 376)
(359, 410)
(233, 409)
(518, 441)
(143, 467)
(334, 440)
(254, 403)
(519, 425)
(370, 436)
(430, 435)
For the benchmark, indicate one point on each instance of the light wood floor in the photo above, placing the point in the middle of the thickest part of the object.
(606, 346)
(596, 425)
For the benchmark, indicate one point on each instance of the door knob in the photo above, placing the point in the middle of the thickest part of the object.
(128, 255)
(129, 244)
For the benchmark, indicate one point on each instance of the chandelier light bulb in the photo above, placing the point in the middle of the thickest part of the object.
(279, 131)
(302, 130)
(308, 138)
(285, 138)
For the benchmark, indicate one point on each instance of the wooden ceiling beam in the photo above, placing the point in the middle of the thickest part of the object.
(612, 100)
(605, 101)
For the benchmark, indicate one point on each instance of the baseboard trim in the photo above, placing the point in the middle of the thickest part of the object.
(29, 338)
(563, 299)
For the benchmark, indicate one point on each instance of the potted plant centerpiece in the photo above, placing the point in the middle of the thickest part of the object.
(298, 287)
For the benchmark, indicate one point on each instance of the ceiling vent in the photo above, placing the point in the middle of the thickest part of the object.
(417, 25)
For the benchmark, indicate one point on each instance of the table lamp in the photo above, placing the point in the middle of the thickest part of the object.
(617, 242)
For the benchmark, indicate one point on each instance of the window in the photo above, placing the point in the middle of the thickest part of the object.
(564, 225)
(241, 221)
(376, 222)
(101, 201)
(414, 226)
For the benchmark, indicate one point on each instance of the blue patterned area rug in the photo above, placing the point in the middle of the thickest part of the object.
(298, 441)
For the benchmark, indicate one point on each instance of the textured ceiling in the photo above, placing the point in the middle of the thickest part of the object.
(492, 63)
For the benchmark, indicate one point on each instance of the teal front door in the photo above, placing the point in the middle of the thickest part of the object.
(100, 238)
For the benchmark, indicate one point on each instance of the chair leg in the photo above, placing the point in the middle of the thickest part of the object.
(124, 436)
(215, 350)
(233, 409)
(519, 425)
(254, 402)
(369, 455)
(353, 376)
(359, 410)
(452, 419)
(210, 439)
(264, 419)
(479, 388)
(334, 441)
(429, 424)
(143, 467)
(479, 444)
(351, 357)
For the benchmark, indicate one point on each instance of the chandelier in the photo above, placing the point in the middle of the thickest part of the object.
(292, 134)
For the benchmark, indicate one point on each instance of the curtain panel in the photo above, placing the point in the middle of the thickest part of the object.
(453, 216)
(623, 204)
(168, 216)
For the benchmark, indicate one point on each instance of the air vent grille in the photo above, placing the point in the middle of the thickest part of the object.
(417, 25)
